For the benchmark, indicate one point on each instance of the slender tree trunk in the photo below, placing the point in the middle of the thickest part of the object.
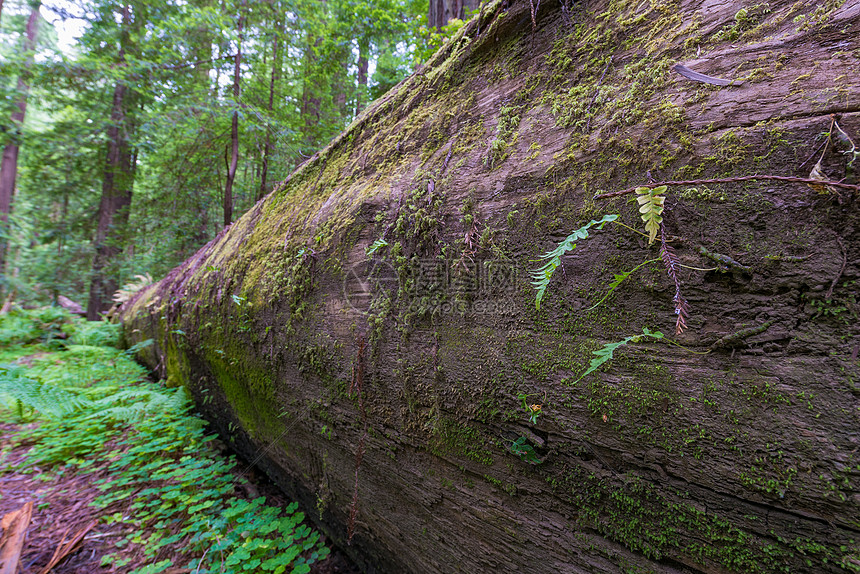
(361, 95)
(443, 10)
(269, 147)
(234, 129)
(311, 102)
(117, 187)
(9, 163)
(202, 38)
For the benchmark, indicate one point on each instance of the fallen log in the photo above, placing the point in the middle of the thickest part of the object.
(368, 333)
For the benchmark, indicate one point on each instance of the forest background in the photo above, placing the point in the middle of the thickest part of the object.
(133, 131)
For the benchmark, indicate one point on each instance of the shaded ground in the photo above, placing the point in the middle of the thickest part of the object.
(62, 510)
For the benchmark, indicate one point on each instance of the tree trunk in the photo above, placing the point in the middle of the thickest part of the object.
(443, 10)
(269, 145)
(9, 162)
(361, 94)
(311, 100)
(417, 401)
(117, 186)
(233, 163)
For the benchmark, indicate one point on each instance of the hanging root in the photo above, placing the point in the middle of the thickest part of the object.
(671, 262)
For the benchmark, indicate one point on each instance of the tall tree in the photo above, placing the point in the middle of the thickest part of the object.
(117, 183)
(441, 11)
(9, 163)
(233, 162)
(361, 77)
(268, 146)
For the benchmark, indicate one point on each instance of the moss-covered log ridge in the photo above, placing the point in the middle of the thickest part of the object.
(416, 368)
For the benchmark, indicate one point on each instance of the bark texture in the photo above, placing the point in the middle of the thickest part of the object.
(392, 393)
(9, 161)
(233, 162)
(443, 10)
(117, 184)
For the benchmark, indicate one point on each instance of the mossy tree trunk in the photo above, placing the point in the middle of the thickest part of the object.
(735, 450)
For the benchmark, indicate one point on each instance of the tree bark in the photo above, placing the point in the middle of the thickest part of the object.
(311, 101)
(417, 398)
(269, 145)
(361, 93)
(443, 10)
(9, 162)
(117, 186)
(233, 163)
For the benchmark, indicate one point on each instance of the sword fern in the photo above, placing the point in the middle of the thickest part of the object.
(543, 274)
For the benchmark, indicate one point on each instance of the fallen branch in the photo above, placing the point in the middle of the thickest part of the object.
(66, 548)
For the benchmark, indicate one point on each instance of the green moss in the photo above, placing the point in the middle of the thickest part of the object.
(452, 437)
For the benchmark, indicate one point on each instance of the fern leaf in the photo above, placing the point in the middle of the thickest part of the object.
(618, 280)
(129, 289)
(605, 353)
(376, 246)
(651, 202)
(50, 400)
(543, 274)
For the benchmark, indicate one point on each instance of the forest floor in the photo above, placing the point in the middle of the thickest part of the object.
(117, 475)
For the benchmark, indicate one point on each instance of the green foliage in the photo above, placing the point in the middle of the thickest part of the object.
(605, 353)
(178, 494)
(376, 246)
(95, 333)
(37, 326)
(542, 275)
(618, 280)
(524, 450)
(173, 58)
(533, 411)
(651, 201)
(20, 392)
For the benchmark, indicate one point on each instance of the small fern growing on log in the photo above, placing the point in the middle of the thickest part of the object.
(129, 289)
(651, 201)
(543, 274)
(606, 352)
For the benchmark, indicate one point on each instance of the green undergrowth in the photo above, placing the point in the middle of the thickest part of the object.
(89, 409)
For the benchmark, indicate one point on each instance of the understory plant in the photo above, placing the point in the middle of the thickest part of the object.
(174, 494)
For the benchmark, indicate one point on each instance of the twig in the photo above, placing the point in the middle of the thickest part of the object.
(733, 180)
(814, 153)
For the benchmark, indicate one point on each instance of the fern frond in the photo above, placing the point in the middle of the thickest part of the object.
(129, 289)
(618, 280)
(543, 274)
(49, 400)
(651, 203)
(671, 263)
(376, 246)
(134, 405)
(606, 352)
